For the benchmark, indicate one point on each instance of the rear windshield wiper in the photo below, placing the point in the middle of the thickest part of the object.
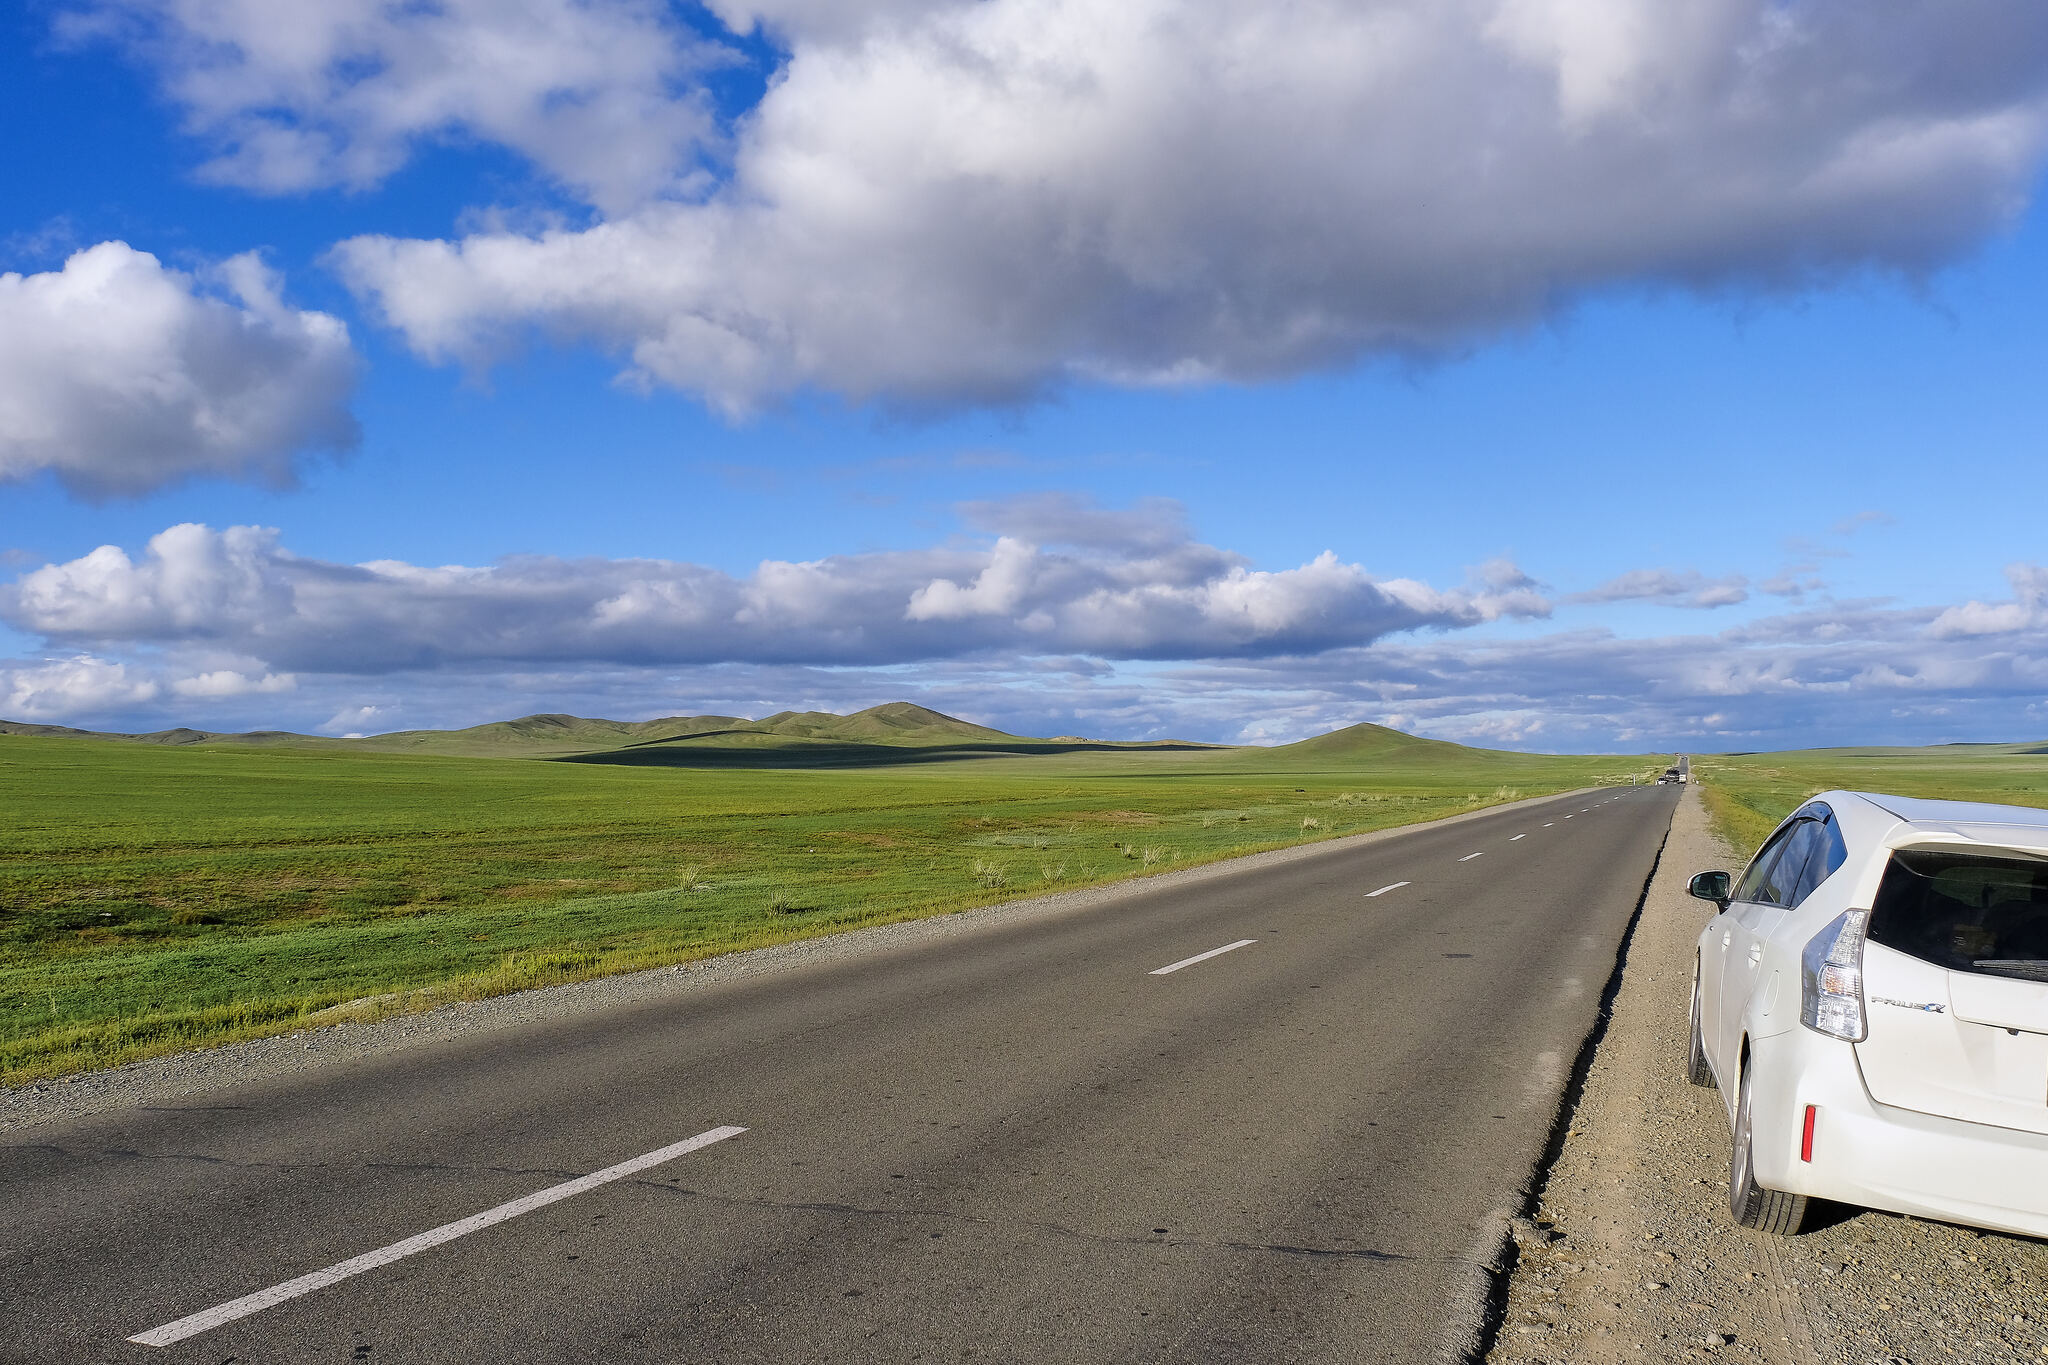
(2028, 968)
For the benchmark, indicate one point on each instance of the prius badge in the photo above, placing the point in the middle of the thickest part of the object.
(1929, 1008)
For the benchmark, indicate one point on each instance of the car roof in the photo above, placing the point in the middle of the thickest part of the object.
(1921, 810)
(1900, 821)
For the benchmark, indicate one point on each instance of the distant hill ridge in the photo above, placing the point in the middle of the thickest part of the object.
(896, 722)
(1366, 740)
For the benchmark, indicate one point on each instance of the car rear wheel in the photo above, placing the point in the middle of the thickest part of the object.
(1772, 1211)
(1697, 1071)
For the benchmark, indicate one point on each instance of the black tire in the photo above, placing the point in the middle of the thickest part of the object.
(1696, 1069)
(1772, 1211)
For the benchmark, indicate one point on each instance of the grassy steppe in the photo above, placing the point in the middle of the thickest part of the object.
(161, 895)
(1748, 794)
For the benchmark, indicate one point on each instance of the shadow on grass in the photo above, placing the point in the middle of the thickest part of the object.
(695, 753)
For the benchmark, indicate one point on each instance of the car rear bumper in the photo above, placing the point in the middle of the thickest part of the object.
(1876, 1156)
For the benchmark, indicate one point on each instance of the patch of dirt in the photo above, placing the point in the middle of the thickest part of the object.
(1112, 817)
(1631, 1254)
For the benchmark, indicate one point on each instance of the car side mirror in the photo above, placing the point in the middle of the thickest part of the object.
(1711, 886)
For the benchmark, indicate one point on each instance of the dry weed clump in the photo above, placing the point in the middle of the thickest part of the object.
(518, 971)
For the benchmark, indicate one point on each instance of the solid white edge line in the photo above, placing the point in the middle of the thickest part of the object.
(1470, 856)
(1203, 957)
(398, 1251)
(1392, 886)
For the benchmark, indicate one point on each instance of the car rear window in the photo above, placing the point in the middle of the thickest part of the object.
(1966, 911)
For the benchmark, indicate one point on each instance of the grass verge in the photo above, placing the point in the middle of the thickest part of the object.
(1746, 795)
(154, 899)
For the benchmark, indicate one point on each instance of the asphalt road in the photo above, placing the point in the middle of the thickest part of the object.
(1022, 1144)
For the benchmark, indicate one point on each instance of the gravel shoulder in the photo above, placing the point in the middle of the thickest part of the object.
(1629, 1253)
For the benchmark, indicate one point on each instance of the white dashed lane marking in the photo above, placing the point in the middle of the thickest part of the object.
(1392, 886)
(398, 1251)
(1203, 957)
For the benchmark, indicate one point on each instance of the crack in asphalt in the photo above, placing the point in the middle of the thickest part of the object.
(205, 1159)
(1037, 1225)
(794, 1206)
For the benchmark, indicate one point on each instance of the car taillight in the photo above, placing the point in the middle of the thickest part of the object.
(1831, 978)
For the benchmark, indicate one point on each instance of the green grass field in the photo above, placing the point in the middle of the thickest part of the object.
(1748, 794)
(158, 895)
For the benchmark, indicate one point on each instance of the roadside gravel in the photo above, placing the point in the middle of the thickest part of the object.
(1630, 1255)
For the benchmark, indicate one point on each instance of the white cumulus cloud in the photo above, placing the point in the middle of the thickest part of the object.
(352, 722)
(956, 202)
(119, 375)
(238, 590)
(221, 683)
(1834, 673)
(601, 95)
(60, 689)
(2027, 611)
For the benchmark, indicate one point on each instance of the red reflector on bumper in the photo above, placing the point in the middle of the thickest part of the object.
(1806, 1136)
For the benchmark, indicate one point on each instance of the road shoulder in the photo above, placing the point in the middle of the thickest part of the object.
(1630, 1255)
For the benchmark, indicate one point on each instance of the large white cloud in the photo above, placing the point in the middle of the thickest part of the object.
(119, 375)
(59, 689)
(1142, 598)
(595, 93)
(2028, 609)
(195, 633)
(947, 202)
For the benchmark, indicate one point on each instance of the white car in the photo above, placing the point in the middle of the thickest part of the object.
(1872, 1000)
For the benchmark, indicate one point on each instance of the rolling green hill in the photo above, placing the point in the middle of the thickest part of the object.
(552, 735)
(896, 722)
(1354, 743)
(542, 736)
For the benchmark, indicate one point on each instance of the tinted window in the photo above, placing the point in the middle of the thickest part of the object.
(1788, 878)
(1966, 912)
(1751, 887)
(1826, 852)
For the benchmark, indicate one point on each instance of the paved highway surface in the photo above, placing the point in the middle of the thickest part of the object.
(1029, 1144)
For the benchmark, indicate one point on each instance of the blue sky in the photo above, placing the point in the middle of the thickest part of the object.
(1541, 373)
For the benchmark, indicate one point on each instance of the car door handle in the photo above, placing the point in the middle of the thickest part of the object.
(1727, 937)
(1756, 952)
